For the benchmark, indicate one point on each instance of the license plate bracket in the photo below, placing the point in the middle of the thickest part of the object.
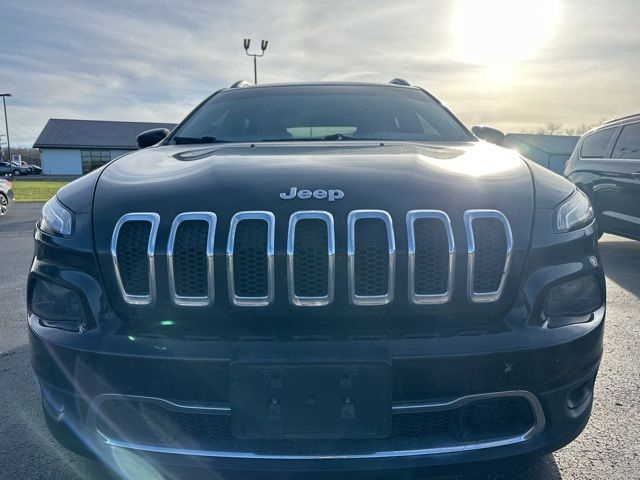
(317, 399)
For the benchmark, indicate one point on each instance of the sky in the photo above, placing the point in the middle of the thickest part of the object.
(511, 64)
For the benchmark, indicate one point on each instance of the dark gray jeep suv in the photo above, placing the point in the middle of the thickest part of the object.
(313, 277)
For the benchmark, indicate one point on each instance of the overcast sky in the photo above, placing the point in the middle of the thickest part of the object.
(513, 64)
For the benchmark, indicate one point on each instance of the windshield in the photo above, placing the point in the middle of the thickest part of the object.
(321, 113)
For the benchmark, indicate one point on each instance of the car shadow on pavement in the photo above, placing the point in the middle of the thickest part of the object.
(621, 261)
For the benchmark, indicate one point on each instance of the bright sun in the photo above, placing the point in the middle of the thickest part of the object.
(498, 33)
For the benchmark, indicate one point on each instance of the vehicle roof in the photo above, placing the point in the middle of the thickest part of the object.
(323, 84)
(616, 121)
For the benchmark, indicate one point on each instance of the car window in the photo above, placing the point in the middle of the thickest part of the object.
(628, 144)
(595, 145)
(308, 113)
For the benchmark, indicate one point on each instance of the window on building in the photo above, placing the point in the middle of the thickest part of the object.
(92, 159)
(595, 145)
(628, 144)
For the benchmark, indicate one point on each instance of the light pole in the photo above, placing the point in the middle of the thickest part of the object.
(263, 47)
(6, 125)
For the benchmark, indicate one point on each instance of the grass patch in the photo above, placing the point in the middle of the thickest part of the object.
(36, 190)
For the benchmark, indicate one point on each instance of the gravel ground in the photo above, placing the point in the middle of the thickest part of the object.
(607, 449)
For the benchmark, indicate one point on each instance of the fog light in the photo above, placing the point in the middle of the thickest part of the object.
(576, 297)
(57, 306)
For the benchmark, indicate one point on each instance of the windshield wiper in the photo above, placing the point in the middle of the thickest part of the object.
(337, 136)
(290, 139)
(205, 139)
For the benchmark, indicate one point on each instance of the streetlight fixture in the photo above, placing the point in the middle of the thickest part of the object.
(263, 47)
(6, 124)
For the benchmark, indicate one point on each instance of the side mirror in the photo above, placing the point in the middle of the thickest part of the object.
(491, 135)
(151, 137)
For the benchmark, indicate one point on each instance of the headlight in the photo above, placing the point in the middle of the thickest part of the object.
(56, 219)
(573, 213)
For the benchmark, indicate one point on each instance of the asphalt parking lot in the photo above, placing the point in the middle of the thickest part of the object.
(608, 448)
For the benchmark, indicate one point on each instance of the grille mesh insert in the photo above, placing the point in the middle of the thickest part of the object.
(431, 257)
(131, 251)
(311, 258)
(494, 417)
(190, 259)
(371, 270)
(250, 261)
(491, 252)
(154, 425)
(145, 422)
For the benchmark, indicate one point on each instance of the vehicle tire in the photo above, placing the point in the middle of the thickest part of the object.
(4, 205)
(17, 173)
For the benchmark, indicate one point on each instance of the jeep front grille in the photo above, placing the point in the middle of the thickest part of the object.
(311, 258)
(490, 243)
(190, 258)
(431, 256)
(250, 259)
(132, 250)
(311, 269)
(371, 251)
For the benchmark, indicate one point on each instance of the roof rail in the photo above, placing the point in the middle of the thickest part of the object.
(241, 84)
(400, 81)
(613, 120)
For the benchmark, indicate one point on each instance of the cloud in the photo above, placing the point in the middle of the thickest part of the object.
(154, 61)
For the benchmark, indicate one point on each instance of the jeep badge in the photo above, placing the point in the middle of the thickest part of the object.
(332, 195)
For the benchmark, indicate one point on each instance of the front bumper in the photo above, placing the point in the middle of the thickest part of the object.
(551, 369)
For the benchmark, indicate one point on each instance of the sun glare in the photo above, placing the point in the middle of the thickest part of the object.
(498, 33)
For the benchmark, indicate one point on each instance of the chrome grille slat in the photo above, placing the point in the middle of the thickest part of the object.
(435, 297)
(184, 300)
(311, 301)
(154, 220)
(251, 301)
(470, 216)
(353, 218)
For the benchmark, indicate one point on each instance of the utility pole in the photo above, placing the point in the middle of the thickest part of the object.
(263, 47)
(6, 125)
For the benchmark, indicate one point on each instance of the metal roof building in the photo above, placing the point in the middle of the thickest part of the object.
(75, 147)
(551, 151)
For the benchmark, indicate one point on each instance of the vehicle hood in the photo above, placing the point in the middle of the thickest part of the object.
(226, 179)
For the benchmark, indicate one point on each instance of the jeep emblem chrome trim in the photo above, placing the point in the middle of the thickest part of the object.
(332, 194)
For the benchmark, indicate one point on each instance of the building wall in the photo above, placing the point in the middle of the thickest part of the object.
(119, 153)
(59, 161)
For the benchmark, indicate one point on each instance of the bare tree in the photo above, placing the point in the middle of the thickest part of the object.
(549, 128)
